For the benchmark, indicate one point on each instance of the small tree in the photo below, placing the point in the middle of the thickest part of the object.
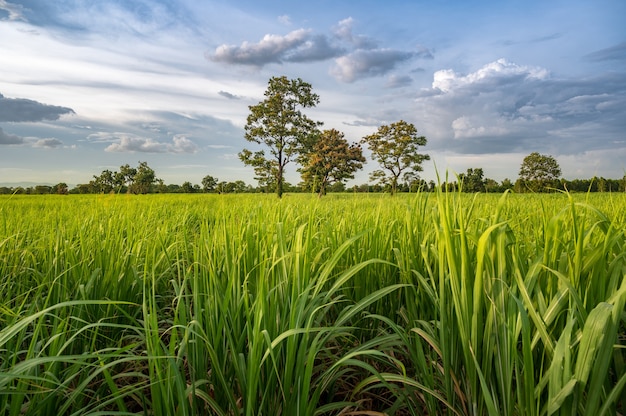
(278, 123)
(331, 160)
(539, 172)
(395, 147)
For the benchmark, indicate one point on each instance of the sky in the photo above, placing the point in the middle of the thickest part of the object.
(90, 85)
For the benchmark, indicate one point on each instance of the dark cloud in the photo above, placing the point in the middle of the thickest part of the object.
(229, 95)
(7, 138)
(357, 56)
(367, 63)
(614, 53)
(504, 107)
(24, 110)
(48, 143)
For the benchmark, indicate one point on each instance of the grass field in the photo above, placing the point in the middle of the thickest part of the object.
(352, 304)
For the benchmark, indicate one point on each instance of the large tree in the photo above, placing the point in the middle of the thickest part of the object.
(396, 148)
(539, 172)
(278, 123)
(330, 160)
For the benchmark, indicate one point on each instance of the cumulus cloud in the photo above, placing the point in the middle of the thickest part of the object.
(24, 110)
(504, 107)
(7, 138)
(182, 144)
(126, 142)
(297, 46)
(367, 63)
(356, 56)
(494, 73)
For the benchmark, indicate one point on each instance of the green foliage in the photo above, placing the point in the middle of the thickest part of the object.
(278, 124)
(330, 160)
(395, 147)
(539, 173)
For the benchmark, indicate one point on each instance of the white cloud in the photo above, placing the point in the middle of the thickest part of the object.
(15, 11)
(464, 127)
(181, 144)
(447, 80)
(343, 31)
(126, 142)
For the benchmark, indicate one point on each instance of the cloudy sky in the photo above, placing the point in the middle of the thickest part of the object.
(90, 85)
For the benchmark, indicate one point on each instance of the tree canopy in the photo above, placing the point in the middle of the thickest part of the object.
(539, 172)
(278, 124)
(330, 160)
(396, 148)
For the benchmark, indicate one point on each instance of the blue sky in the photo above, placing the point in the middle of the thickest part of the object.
(89, 85)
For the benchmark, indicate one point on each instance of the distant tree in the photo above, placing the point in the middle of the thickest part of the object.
(60, 188)
(124, 177)
(330, 160)
(209, 183)
(395, 147)
(473, 180)
(278, 124)
(143, 179)
(187, 187)
(539, 173)
(42, 189)
(491, 185)
(105, 182)
(239, 186)
(160, 187)
(506, 184)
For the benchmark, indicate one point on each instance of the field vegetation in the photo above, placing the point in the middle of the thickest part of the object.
(365, 304)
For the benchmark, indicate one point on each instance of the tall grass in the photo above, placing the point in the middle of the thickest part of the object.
(438, 303)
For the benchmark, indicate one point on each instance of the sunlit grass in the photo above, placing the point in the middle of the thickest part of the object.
(438, 303)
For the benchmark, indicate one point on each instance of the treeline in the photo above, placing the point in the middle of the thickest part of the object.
(143, 180)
